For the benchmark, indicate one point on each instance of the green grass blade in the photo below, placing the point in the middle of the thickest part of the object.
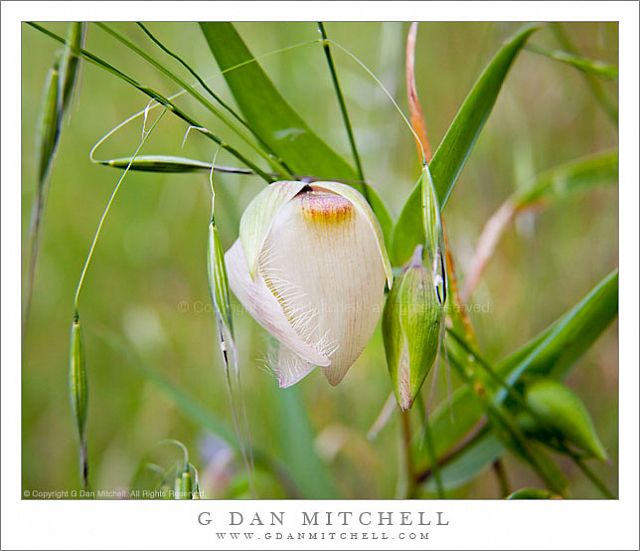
(456, 146)
(591, 171)
(569, 417)
(552, 352)
(589, 66)
(556, 350)
(299, 454)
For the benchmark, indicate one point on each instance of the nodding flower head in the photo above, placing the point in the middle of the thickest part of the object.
(310, 266)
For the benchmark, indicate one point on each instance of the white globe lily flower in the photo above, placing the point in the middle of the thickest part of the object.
(310, 266)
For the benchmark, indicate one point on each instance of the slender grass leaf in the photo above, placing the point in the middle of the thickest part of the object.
(235, 123)
(299, 454)
(555, 351)
(590, 66)
(456, 146)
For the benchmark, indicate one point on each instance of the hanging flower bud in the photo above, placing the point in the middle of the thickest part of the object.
(411, 326)
(558, 408)
(310, 266)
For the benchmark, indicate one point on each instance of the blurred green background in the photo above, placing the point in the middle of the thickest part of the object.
(148, 281)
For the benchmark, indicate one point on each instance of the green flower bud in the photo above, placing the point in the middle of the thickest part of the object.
(412, 326)
(559, 408)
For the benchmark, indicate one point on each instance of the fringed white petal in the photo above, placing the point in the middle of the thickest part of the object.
(265, 309)
(258, 217)
(322, 262)
(365, 209)
(291, 368)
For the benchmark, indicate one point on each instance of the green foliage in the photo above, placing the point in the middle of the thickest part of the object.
(552, 352)
(456, 146)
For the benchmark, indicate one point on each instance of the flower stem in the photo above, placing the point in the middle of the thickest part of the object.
(433, 457)
(343, 105)
(503, 479)
(107, 209)
(405, 418)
